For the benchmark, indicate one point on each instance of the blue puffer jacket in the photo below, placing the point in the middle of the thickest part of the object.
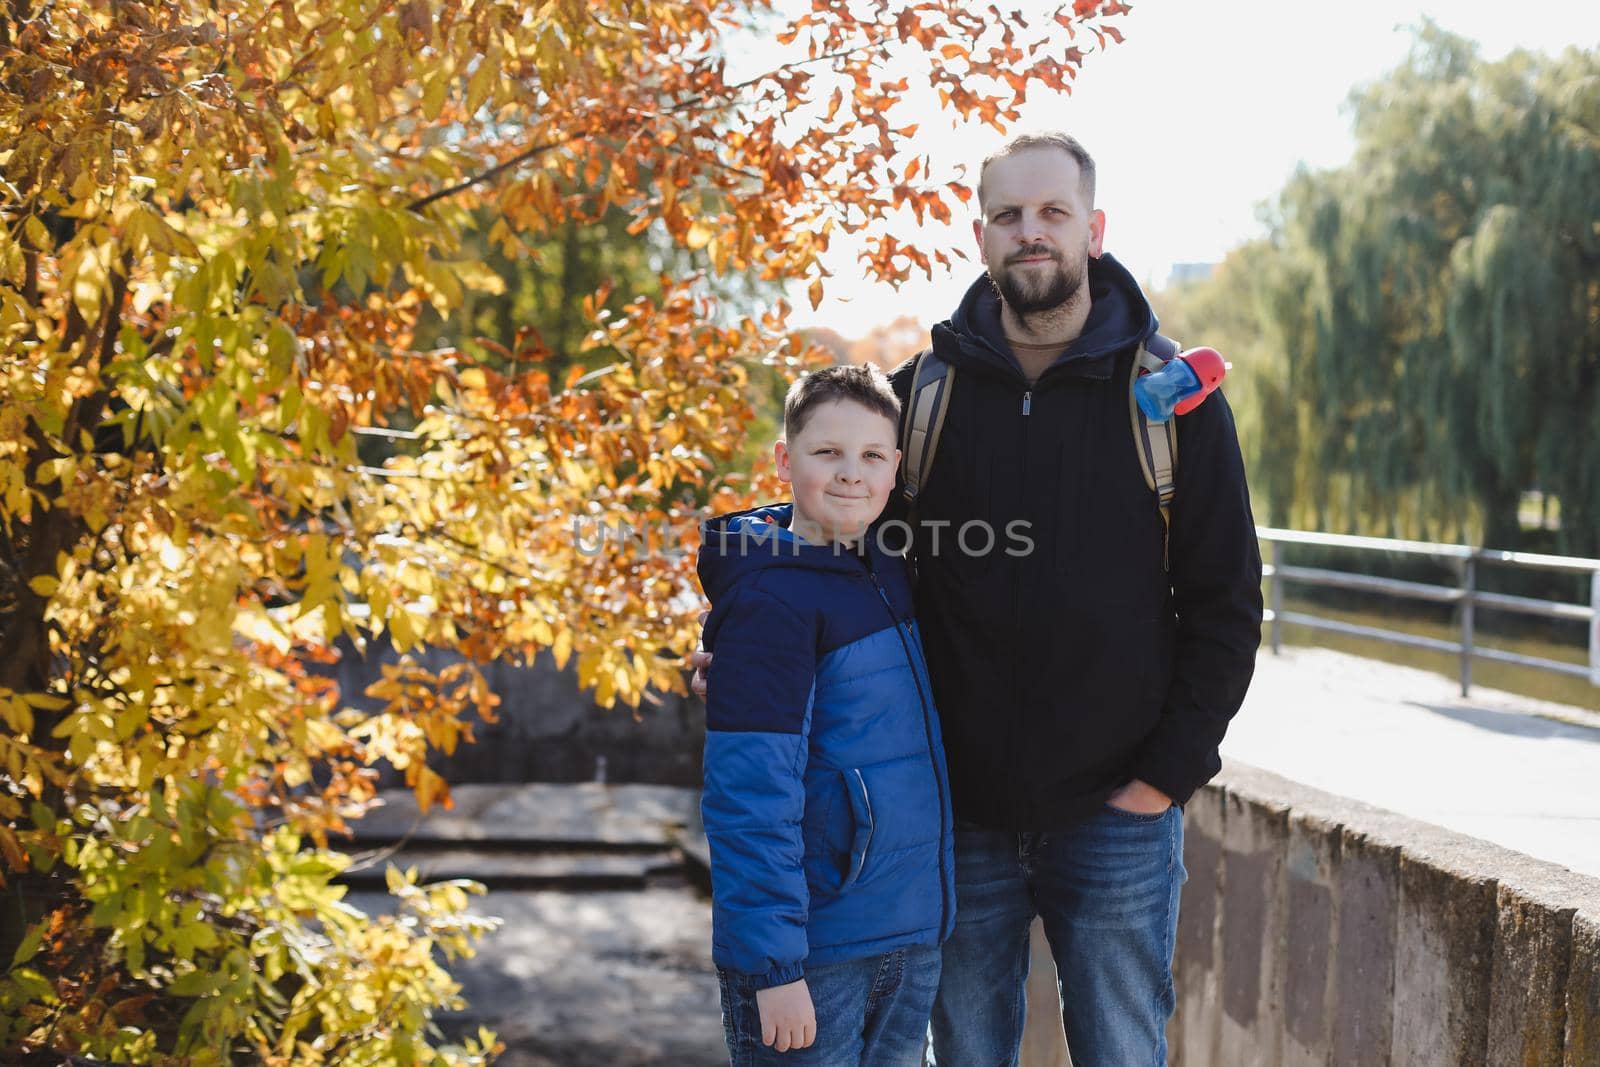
(826, 803)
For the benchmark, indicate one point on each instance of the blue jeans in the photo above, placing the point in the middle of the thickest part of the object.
(1108, 893)
(870, 1012)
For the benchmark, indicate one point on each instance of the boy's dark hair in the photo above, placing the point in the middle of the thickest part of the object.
(866, 385)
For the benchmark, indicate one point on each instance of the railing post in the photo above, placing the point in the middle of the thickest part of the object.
(1276, 595)
(1594, 628)
(1469, 586)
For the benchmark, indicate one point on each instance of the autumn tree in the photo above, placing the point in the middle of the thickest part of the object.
(544, 278)
(223, 222)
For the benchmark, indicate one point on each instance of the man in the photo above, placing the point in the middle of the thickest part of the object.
(1084, 685)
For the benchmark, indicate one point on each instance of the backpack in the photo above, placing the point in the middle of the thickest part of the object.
(923, 420)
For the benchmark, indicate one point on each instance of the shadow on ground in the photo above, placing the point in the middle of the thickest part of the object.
(1512, 723)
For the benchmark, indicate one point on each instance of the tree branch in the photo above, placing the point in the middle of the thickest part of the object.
(684, 105)
(488, 175)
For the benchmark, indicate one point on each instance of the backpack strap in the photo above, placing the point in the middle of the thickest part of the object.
(923, 421)
(1156, 442)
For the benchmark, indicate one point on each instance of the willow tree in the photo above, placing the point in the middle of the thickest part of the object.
(1251, 308)
(222, 222)
(1458, 312)
(1433, 307)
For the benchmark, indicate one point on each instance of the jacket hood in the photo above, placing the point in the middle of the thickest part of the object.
(1119, 318)
(744, 542)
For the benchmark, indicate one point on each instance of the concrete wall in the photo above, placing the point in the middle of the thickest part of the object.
(1316, 930)
(547, 728)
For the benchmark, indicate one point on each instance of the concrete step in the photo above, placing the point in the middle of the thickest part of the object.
(696, 850)
(500, 868)
(584, 815)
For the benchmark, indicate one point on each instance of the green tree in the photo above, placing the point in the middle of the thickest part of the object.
(1241, 310)
(1428, 316)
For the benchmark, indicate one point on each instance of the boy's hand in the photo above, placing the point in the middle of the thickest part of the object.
(700, 660)
(787, 1018)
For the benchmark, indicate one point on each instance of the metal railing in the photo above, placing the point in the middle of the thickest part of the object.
(1466, 595)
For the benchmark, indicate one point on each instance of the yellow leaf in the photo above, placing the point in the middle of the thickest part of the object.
(403, 634)
(435, 89)
(479, 277)
(36, 233)
(146, 226)
(324, 735)
(17, 715)
(45, 585)
(262, 628)
(699, 235)
(483, 80)
(83, 186)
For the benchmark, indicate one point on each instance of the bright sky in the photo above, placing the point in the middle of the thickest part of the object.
(1200, 116)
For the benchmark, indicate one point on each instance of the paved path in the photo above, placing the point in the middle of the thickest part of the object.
(603, 957)
(592, 979)
(1520, 772)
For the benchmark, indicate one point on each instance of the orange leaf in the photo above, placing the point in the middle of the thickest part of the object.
(431, 788)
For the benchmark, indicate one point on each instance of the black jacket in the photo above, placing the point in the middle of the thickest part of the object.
(1063, 671)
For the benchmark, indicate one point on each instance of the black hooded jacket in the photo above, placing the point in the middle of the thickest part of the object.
(1066, 660)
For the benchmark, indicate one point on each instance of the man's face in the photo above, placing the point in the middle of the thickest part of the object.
(1038, 229)
(841, 468)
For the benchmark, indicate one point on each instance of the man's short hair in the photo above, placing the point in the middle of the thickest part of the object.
(1047, 139)
(866, 385)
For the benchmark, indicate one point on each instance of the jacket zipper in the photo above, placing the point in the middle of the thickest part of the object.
(927, 734)
(1016, 616)
(872, 827)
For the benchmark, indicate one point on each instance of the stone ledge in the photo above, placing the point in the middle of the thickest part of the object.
(1397, 942)
(1454, 853)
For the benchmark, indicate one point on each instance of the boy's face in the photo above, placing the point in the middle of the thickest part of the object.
(841, 467)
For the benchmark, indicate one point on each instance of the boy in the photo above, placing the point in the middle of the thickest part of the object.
(826, 804)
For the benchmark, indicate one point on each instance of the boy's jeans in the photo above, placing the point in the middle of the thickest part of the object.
(871, 1012)
(1108, 893)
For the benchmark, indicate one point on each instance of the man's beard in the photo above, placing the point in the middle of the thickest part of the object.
(1028, 291)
